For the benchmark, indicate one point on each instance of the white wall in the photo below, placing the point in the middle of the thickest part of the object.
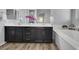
(76, 20)
(2, 41)
(61, 16)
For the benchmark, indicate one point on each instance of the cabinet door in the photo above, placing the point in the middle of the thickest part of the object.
(26, 34)
(38, 34)
(41, 34)
(10, 34)
(19, 31)
(48, 35)
(13, 34)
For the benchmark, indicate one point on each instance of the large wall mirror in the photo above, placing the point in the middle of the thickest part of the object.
(11, 13)
(43, 15)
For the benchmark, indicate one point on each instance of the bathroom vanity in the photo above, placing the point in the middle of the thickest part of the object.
(28, 34)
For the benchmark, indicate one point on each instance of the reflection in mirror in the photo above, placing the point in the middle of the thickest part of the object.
(1, 16)
(41, 18)
(31, 16)
(11, 14)
(43, 15)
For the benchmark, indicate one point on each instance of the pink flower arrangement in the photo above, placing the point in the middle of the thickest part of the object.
(30, 17)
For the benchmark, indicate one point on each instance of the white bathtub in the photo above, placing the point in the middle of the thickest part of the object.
(67, 39)
(74, 35)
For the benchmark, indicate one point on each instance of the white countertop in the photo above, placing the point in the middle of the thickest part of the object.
(30, 25)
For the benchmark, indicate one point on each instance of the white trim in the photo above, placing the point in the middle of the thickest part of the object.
(2, 43)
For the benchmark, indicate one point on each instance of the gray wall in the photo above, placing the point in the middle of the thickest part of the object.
(76, 20)
(61, 16)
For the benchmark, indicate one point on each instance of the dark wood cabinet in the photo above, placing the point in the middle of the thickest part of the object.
(37, 34)
(28, 34)
(10, 34)
(41, 34)
(13, 34)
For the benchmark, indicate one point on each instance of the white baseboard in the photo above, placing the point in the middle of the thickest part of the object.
(2, 43)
